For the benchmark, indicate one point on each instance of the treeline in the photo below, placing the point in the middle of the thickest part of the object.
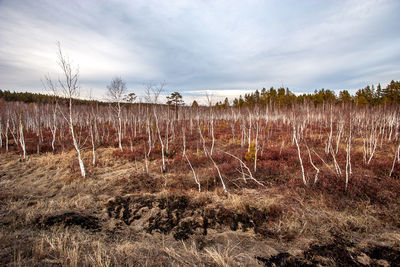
(283, 97)
(27, 97)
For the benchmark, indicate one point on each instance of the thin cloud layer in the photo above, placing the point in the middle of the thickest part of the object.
(224, 46)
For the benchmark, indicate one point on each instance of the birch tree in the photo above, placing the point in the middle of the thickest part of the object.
(70, 89)
(116, 91)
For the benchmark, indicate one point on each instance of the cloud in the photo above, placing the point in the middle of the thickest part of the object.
(224, 46)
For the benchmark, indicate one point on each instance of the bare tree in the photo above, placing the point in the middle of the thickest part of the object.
(7, 128)
(212, 160)
(1, 132)
(92, 122)
(153, 92)
(161, 142)
(299, 154)
(243, 165)
(312, 164)
(116, 91)
(70, 89)
(52, 88)
(209, 101)
(21, 136)
(256, 142)
(396, 155)
(348, 158)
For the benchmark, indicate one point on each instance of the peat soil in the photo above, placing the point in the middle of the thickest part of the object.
(184, 218)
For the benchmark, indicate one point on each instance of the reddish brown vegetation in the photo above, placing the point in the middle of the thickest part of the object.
(265, 199)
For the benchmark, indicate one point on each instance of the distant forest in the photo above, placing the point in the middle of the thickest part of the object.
(281, 97)
(28, 97)
(368, 96)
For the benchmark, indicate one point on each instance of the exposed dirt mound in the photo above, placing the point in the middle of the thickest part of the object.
(338, 253)
(184, 217)
(69, 219)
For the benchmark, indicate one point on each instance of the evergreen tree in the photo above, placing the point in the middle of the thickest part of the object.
(226, 103)
(175, 100)
(392, 92)
(195, 104)
(344, 96)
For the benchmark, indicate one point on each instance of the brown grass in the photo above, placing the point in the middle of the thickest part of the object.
(49, 185)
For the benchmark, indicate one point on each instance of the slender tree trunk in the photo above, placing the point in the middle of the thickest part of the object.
(184, 140)
(92, 139)
(212, 134)
(196, 179)
(1, 134)
(7, 126)
(21, 138)
(149, 133)
(298, 150)
(161, 142)
(119, 127)
(256, 145)
(76, 145)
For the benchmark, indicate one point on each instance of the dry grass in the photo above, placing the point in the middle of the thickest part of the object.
(48, 185)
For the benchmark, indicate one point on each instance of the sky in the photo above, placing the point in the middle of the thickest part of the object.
(225, 48)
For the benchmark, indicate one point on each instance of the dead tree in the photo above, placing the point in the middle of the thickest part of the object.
(348, 157)
(7, 129)
(161, 142)
(242, 164)
(196, 179)
(52, 88)
(70, 88)
(299, 154)
(256, 142)
(312, 164)
(21, 137)
(396, 155)
(152, 94)
(92, 131)
(1, 133)
(116, 91)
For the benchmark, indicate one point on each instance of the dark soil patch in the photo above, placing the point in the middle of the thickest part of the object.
(69, 219)
(339, 253)
(284, 259)
(184, 217)
(385, 253)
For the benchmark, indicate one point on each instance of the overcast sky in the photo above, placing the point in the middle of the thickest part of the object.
(227, 47)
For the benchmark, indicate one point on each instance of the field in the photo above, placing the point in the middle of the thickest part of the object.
(303, 186)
